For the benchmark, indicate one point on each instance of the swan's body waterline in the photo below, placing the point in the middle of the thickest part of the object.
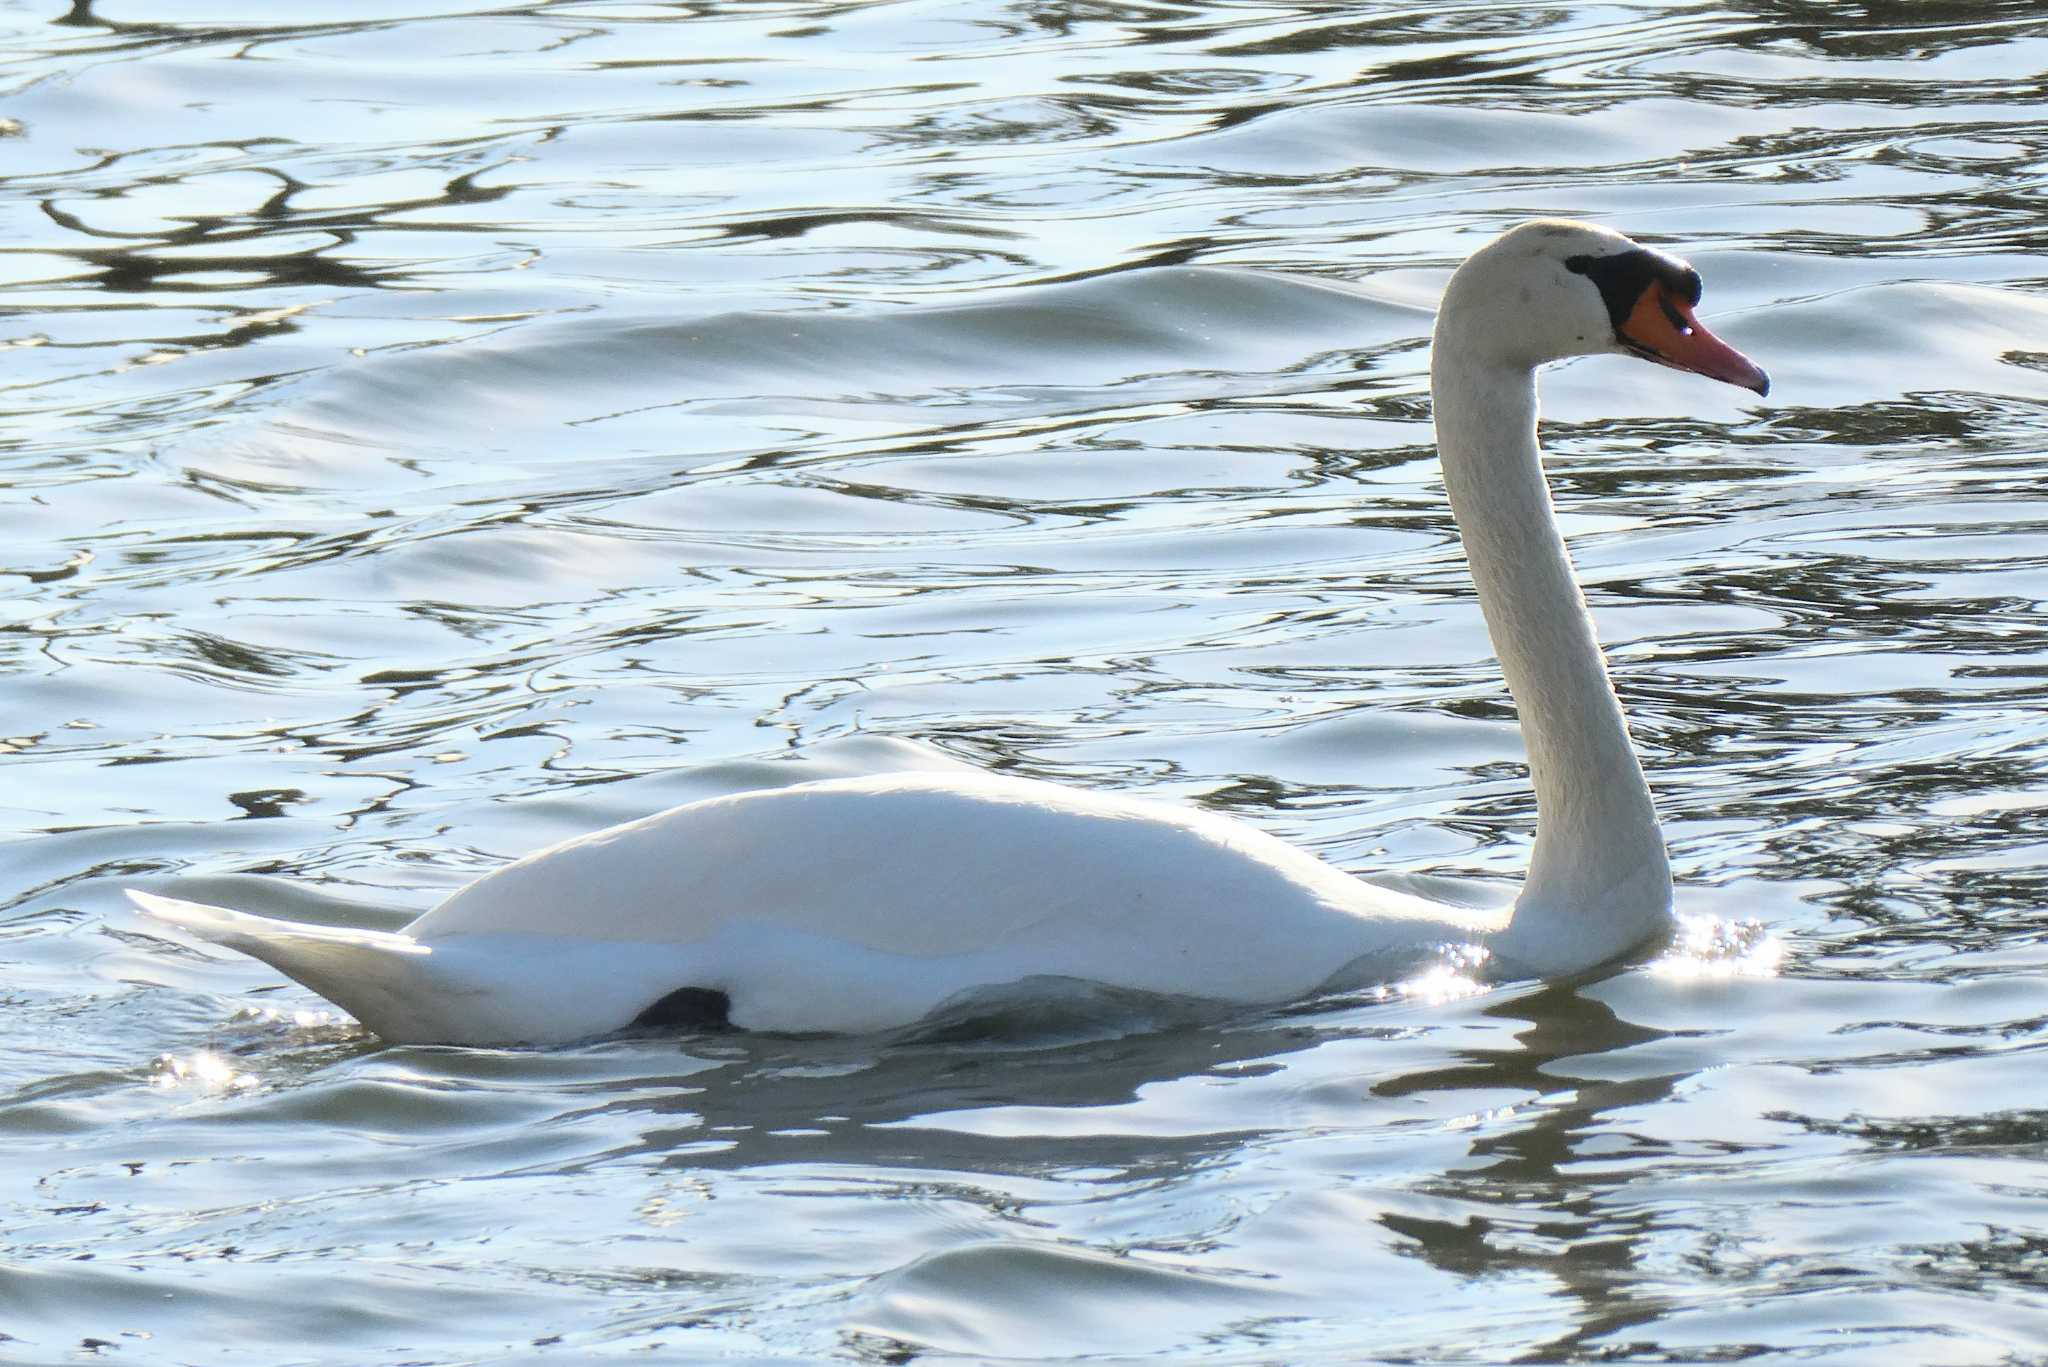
(864, 904)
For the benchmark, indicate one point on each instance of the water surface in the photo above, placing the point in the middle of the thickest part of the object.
(427, 433)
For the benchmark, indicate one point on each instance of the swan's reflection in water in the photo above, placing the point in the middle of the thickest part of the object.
(1544, 1192)
(1121, 1178)
(1373, 1153)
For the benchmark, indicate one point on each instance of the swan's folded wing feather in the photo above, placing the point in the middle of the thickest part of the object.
(464, 989)
(254, 934)
(386, 980)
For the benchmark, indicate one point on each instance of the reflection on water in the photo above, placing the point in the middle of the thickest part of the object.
(427, 433)
(1707, 947)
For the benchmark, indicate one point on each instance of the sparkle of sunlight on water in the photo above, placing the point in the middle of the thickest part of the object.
(429, 435)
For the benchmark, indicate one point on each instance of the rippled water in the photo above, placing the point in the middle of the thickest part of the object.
(427, 435)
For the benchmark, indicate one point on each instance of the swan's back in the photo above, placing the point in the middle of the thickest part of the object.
(865, 903)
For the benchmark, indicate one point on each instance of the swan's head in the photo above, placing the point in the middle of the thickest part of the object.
(1554, 288)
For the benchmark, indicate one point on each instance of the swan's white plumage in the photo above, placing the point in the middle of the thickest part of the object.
(850, 905)
(861, 904)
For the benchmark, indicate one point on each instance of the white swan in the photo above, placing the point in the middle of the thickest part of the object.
(852, 905)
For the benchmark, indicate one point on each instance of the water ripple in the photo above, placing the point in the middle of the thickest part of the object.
(429, 432)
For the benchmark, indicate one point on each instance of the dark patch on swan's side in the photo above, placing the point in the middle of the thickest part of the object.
(687, 1008)
(1050, 1008)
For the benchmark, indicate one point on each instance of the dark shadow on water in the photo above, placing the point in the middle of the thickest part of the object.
(777, 1099)
(1537, 1191)
(1542, 1191)
(1536, 1200)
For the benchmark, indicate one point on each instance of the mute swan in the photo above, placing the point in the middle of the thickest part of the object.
(862, 904)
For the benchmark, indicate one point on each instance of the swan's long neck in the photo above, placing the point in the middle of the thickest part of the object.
(1598, 880)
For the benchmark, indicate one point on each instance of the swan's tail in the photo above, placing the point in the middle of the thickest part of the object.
(377, 976)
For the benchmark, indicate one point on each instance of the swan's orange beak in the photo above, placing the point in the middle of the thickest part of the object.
(1662, 328)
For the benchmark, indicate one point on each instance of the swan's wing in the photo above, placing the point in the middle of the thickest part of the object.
(376, 975)
(274, 942)
(302, 951)
(466, 989)
(856, 905)
(928, 867)
(860, 904)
